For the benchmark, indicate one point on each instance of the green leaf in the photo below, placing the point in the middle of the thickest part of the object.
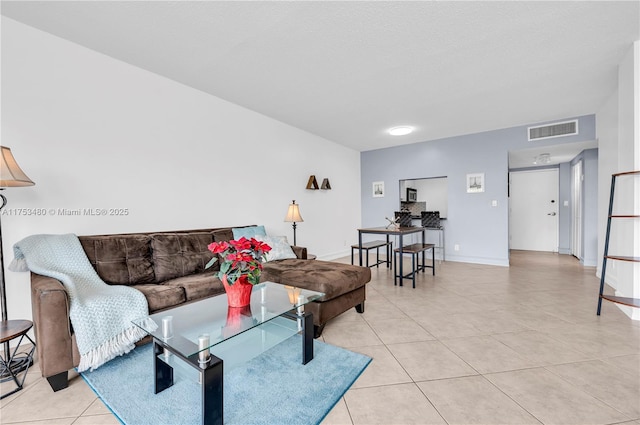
(210, 263)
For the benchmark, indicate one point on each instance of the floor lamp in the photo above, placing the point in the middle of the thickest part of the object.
(10, 176)
(293, 216)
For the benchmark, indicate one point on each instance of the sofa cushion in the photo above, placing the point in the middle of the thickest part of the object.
(160, 297)
(248, 232)
(120, 259)
(334, 279)
(223, 235)
(180, 254)
(280, 248)
(199, 285)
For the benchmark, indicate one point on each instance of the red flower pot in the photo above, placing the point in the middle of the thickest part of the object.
(238, 294)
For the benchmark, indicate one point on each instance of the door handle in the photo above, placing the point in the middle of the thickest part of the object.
(552, 214)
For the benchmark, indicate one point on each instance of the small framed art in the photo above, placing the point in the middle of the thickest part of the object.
(475, 183)
(378, 189)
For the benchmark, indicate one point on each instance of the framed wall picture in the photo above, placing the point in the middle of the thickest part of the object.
(475, 183)
(378, 189)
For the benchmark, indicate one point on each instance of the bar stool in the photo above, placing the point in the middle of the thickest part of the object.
(403, 218)
(431, 221)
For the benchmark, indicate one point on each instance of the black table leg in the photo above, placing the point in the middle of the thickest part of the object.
(307, 337)
(212, 392)
(211, 377)
(400, 257)
(163, 372)
(389, 252)
(395, 269)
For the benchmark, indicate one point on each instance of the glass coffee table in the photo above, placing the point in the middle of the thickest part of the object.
(201, 334)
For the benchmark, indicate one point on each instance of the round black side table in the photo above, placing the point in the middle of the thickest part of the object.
(12, 365)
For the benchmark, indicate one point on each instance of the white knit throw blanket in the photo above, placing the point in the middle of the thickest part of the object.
(101, 314)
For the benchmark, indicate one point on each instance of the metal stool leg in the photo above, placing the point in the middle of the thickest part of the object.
(433, 261)
(414, 259)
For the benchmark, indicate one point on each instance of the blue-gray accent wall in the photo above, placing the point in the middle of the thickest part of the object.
(480, 230)
(564, 212)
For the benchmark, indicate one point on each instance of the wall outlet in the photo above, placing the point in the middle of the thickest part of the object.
(494, 203)
(456, 247)
(566, 203)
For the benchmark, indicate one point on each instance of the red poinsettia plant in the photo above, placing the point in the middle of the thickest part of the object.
(239, 259)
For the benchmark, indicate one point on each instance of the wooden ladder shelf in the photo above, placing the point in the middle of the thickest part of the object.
(632, 302)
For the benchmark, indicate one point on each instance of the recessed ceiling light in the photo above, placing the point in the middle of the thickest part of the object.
(400, 130)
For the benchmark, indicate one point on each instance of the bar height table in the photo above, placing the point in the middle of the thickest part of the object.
(400, 232)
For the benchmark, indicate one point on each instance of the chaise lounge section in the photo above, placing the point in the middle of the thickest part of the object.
(169, 269)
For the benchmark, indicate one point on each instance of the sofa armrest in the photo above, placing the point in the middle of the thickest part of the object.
(300, 251)
(50, 310)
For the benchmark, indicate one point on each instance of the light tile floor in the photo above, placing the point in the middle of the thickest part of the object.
(474, 344)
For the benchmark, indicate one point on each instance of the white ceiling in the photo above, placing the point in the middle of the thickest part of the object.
(557, 154)
(347, 71)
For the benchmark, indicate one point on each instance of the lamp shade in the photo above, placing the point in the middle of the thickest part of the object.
(293, 214)
(11, 175)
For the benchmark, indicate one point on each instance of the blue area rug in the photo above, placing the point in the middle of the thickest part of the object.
(273, 388)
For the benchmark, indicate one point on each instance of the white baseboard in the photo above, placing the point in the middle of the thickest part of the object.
(335, 255)
(478, 260)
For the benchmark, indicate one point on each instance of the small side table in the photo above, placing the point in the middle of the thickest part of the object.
(13, 366)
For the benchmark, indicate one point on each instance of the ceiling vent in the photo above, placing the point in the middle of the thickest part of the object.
(559, 129)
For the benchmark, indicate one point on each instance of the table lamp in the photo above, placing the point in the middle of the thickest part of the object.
(293, 216)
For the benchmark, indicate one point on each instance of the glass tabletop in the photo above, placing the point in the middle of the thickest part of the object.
(180, 328)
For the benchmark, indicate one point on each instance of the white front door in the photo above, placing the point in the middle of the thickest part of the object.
(533, 210)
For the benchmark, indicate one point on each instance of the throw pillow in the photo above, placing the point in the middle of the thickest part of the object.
(248, 232)
(280, 248)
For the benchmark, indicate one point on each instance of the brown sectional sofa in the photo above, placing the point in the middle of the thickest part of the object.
(168, 268)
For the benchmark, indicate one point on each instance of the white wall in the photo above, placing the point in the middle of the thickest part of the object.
(590, 253)
(619, 145)
(435, 193)
(607, 128)
(93, 132)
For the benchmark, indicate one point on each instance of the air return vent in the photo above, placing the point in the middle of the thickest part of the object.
(559, 129)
